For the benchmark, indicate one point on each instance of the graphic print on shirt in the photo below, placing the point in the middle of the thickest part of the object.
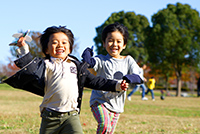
(110, 95)
(73, 70)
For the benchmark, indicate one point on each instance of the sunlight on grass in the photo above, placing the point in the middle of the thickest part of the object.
(20, 114)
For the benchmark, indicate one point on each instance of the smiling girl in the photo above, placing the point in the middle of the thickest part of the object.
(107, 106)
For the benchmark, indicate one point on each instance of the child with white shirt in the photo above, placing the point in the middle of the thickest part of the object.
(60, 78)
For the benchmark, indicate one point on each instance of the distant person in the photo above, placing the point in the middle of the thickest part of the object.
(60, 78)
(198, 87)
(151, 85)
(139, 85)
(162, 97)
(107, 106)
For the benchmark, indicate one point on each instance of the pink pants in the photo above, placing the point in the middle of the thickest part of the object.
(107, 120)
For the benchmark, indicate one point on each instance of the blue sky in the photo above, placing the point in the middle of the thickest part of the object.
(82, 17)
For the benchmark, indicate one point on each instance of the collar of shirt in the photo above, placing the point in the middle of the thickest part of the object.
(59, 60)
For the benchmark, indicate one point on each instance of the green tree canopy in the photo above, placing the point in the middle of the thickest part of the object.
(174, 39)
(136, 25)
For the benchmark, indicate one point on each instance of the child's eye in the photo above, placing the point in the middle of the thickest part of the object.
(65, 42)
(110, 40)
(119, 41)
(54, 42)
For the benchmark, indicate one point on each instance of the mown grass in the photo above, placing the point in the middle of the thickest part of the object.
(19, 114)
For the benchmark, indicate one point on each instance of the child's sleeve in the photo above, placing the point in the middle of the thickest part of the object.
(133, 78)
(100, 83)
(134, 68)
(30, 77)
(21, 51)
(24, 56)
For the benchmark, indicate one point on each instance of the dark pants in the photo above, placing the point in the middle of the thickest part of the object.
(60, 123)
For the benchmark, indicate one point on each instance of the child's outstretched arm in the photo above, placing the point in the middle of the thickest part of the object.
(31, 75)
(100, 83)
(87, 57)
(21, 52)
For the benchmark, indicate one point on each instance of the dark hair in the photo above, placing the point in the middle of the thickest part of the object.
(115, 27)
(44, 38)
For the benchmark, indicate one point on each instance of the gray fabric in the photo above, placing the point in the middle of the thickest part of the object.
(111, 68)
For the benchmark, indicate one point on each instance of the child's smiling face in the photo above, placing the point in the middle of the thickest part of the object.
(114, 44)
(58, 45)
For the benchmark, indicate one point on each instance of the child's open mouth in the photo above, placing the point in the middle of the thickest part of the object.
(114, 50)
(60, 51)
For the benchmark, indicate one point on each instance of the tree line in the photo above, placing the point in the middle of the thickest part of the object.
(170, 45)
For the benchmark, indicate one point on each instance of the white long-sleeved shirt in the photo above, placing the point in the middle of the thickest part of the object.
(61, 83)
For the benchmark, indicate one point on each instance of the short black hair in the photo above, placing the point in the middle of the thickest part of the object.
(115, 27)
(44, 38)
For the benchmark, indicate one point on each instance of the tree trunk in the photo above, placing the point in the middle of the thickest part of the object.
(178, 91)
(178, 76)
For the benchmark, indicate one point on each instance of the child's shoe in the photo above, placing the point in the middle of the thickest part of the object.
(129, 98)
(144, 98)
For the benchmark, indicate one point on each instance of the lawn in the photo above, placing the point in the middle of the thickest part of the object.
(19, 114)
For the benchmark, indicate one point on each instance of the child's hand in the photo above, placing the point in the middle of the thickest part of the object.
(87, 57)
(124, 85)
(87, 53)
(21, 42)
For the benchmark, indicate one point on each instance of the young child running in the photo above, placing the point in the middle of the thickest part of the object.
(60, 78)
(151, 86)
(107, 106)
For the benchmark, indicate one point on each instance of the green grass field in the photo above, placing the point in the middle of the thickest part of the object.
(19, 114)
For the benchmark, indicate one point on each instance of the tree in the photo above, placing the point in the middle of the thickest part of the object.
(136, 25)
(174, 39)
(7, 70)
(161, 69)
